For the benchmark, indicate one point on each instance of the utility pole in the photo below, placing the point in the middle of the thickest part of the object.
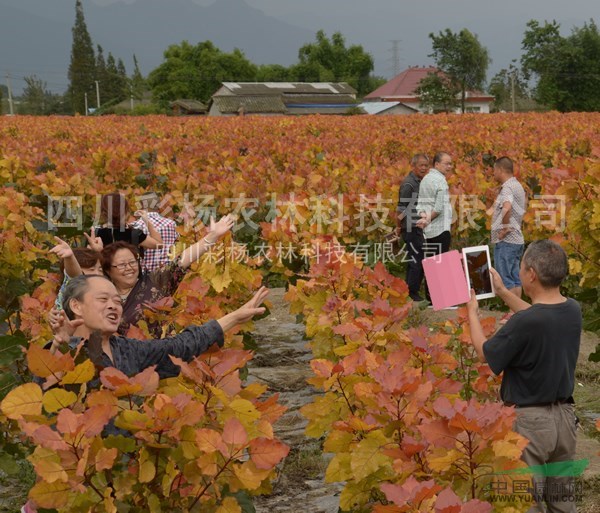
(97, 94)
(512, 89)
(10, 100)
(86, 103)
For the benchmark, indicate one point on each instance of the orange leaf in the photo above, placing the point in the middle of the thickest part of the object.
(267, 453)
(43, 363)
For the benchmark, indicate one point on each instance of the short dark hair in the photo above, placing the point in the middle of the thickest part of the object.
(417, 157)
(76, 289)
(439, 156)
(86, 258)
(108, 253)
(505, 163)
(114, 210)
(548, 260)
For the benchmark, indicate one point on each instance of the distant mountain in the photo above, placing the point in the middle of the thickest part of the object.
(35, 35)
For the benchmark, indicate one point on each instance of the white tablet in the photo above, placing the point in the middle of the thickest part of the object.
(477, 264)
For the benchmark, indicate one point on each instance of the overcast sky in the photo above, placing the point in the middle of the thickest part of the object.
(376, 23)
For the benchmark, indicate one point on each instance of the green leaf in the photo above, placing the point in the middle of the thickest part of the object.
(10, 348)
(9, 465)
(124, 444)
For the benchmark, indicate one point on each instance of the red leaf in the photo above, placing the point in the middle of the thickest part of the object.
(448, 502)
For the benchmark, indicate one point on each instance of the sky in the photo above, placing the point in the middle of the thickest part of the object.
(375, 24)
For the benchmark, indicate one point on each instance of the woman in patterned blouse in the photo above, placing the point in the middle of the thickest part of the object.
(120, 262)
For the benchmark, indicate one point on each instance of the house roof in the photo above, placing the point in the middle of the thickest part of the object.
(379, 107)
(251, 104)
(189, 105)
(270, 88)
(318, 99)
(403, 86)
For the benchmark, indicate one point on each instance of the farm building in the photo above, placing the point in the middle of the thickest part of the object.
(188, 108)
(402, 89)
(279, 98)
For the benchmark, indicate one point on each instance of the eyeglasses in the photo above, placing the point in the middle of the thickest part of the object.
(121, 267)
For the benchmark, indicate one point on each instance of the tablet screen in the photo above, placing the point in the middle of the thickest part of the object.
(479, 271)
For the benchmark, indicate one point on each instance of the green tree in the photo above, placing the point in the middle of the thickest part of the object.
(462, 58)
(567, 68)
(102, 75)
(137, 81)
(437, 93)
(34, 97)
(272, 73)
(82, 68)
(509, 89)
(196, 72)
(329, 60)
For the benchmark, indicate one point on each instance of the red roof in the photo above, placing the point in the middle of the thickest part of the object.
(403, 84)
(402, 87)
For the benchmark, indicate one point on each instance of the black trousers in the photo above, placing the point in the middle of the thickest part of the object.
(436, 246)
(413, 244)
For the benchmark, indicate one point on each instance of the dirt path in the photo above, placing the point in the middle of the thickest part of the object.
(282, 363)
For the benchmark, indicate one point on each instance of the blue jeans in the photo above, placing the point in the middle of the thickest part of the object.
(507, 258)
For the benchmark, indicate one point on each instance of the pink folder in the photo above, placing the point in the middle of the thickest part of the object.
(446, 280)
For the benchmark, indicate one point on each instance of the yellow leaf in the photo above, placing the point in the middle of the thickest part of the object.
(244, 411)
(338, 441)
(507, 448)
(83, 373)
(220, 282)
(57, 399)
(147, 468)
(338, 469)
(441, 459)
(229, 505)
(298, 181)
(23, 400)
(50, 495)
(249, 475)
(367, 458)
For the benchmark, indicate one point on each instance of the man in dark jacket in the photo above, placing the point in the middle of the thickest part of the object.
(92, 306)
(407, 224)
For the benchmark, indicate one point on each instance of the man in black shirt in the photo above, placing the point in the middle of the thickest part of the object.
(407, 224)
(537, 351)
(92, 305)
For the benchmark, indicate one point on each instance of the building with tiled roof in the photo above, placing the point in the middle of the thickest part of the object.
(272, 98)
(402, 89)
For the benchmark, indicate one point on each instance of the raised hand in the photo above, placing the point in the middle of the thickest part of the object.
(62, 327)
(246, 311)
(94, 242)
(220, 228)
(62, 250)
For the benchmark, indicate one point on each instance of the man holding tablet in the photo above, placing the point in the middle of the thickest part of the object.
(537, 352)
(507, 220)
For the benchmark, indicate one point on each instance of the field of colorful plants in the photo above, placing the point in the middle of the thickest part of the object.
(409, 415)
